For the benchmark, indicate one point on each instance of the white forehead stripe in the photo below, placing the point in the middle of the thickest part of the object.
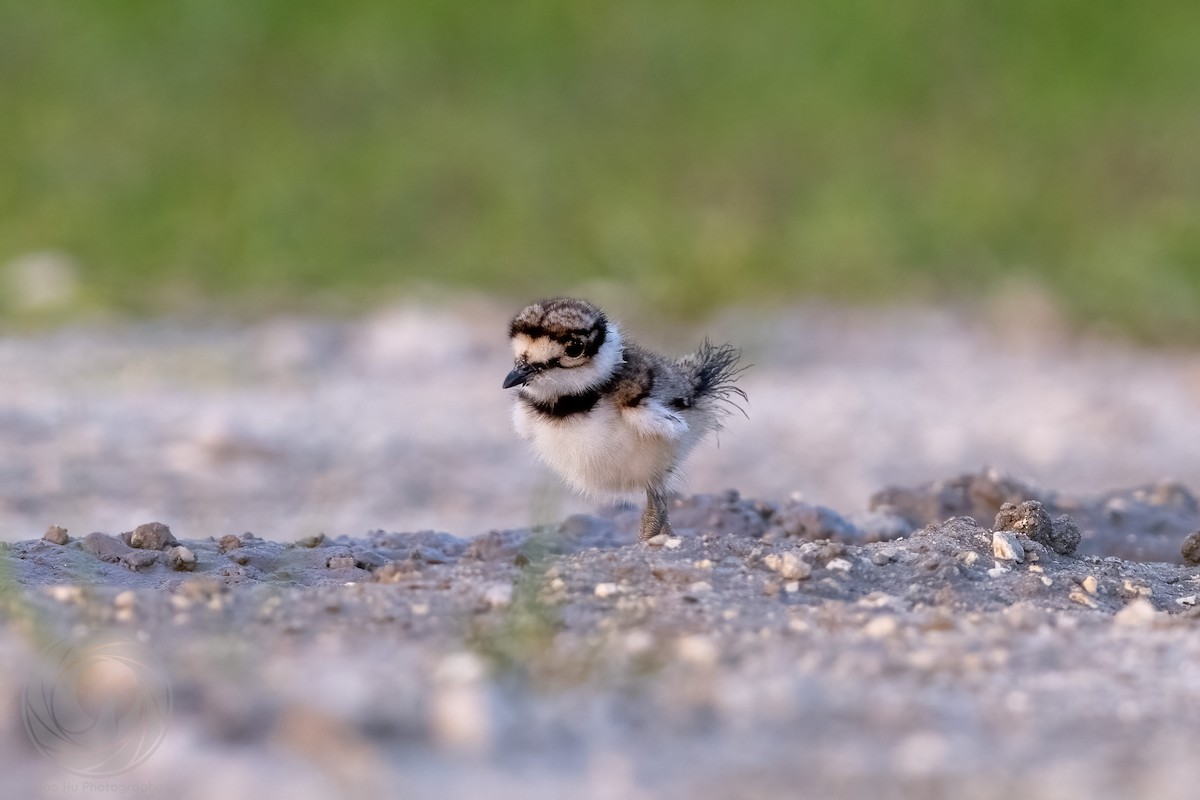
(535, 350)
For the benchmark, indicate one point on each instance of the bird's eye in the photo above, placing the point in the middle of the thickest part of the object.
(574, 349)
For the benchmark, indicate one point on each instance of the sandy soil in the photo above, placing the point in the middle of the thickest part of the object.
(897, 646)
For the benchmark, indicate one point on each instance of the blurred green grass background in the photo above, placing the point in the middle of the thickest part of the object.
(698, 153)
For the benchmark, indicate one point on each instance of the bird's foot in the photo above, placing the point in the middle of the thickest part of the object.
(654, 519)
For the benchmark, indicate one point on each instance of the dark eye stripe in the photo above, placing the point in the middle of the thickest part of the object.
(599, 334)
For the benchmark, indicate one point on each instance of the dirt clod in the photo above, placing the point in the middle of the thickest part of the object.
(105, 547)
(1030, 518)
(56, 535)
(1191, 549)
(228, 542)
(340, 562)
(151, 536)
(1027, 517)
(1065, 536)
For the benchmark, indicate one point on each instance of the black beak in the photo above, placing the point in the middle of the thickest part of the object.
(518, 376)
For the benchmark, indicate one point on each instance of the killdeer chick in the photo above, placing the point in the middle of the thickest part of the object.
(607, 415)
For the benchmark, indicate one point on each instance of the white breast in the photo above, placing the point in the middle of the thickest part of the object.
(608, 450)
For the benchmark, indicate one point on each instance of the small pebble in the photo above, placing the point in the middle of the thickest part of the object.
(201, 588)
(1082, 599)
(228, 542)
(139, 559)
(340, 562)
(1137, 613)
(498, 595)
(1190, 600)
(604, 590)
(1131, 589)
(657, 541)
(673, 543)
(181, 559)
(839, 565)
(460, 713)
(1089, 584)
(65, 594)
(394, 571)
(698, 650)
(315, 540)
(1007, 547)
(432, 555)
(881, 627)
(1191, 550)
(789, 566)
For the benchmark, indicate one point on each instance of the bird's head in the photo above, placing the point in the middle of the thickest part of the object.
(561, 347)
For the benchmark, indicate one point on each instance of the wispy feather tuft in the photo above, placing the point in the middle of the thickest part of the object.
(715, 373)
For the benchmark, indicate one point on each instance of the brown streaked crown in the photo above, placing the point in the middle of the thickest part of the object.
(562, 319)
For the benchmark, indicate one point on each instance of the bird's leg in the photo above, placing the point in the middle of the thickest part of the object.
(654, 519)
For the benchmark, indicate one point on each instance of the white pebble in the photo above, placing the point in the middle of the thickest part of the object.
(460, 715)
(881, 627)
(697, 649)
(789, 566)
(498, 595)
(65, 594)
(604, 590)
(1138, 612)
(1007, 547)
(1082, 599)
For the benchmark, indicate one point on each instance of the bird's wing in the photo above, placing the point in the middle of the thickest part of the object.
(651, 418)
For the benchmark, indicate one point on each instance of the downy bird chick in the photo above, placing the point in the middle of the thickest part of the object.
(610, 416)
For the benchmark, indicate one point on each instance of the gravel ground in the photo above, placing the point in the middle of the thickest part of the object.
(910, 643)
